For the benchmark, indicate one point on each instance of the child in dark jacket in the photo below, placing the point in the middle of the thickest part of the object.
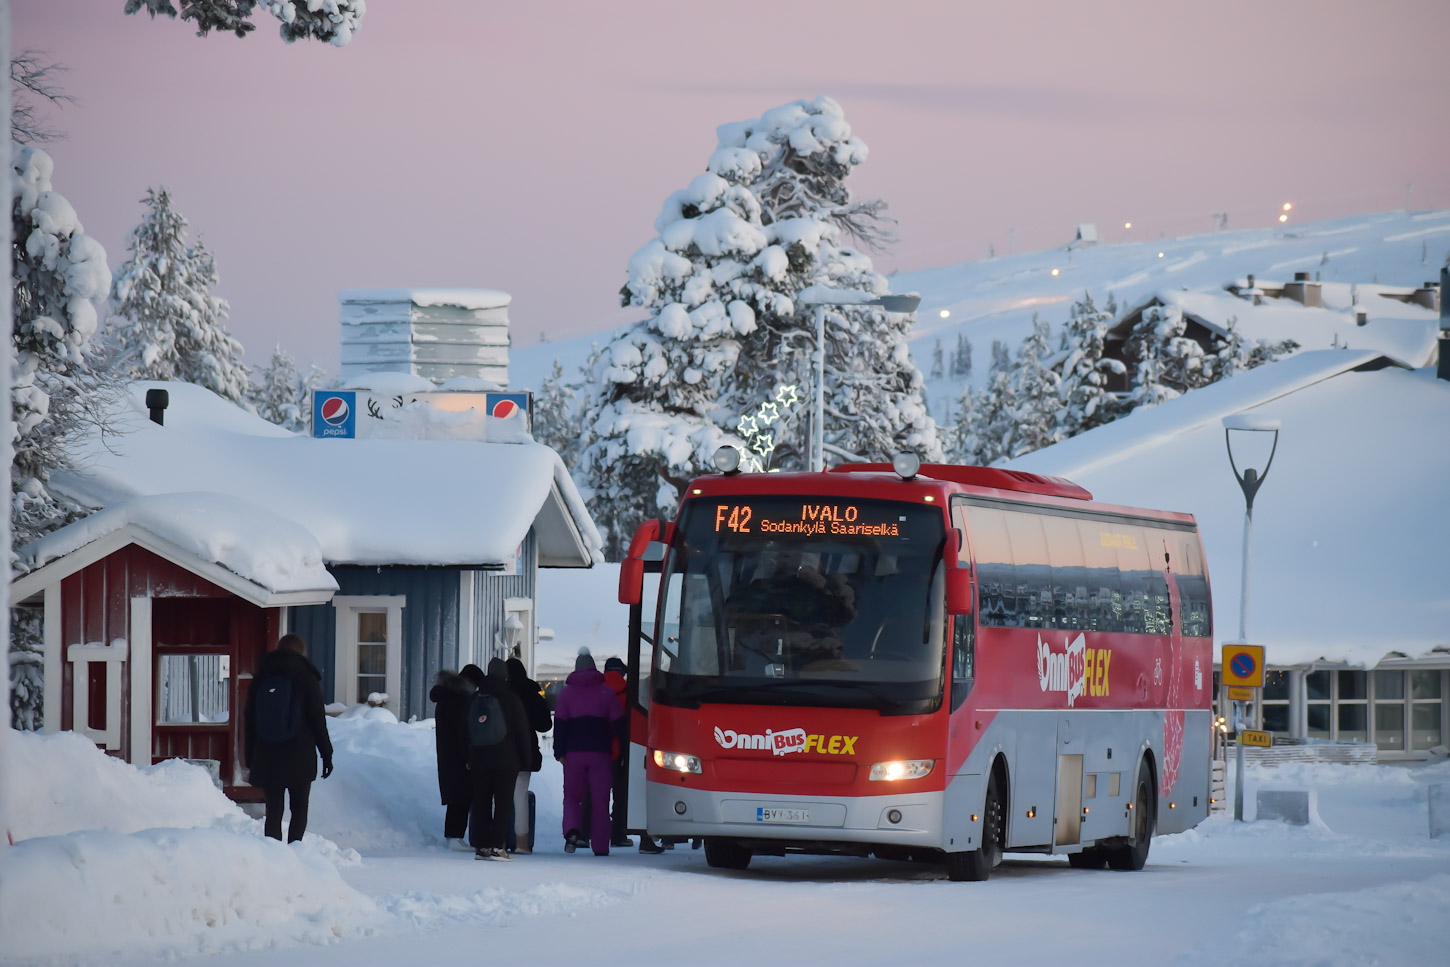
(586, 725)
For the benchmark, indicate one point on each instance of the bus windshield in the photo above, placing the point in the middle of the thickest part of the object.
(789, 600)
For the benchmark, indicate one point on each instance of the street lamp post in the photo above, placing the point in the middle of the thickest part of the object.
(1249, 481)
(822, 296)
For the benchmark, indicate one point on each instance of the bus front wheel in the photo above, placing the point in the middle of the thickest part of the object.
(977, 864)
(1134, 854)
(722, 854)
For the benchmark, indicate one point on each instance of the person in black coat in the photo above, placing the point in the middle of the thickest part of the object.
(536, 708)
(450, 694)
(494, 769)
(288, 767)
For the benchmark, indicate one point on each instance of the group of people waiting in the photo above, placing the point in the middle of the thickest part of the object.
(488, 728)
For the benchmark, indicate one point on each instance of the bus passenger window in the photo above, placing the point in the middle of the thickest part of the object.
(1069, 575)
(995, 578)
(1104, 585)
(1032, 602)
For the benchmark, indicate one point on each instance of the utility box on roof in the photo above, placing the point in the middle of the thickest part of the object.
(439, 334)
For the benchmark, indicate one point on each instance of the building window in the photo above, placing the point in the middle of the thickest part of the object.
(369, 649)
(1318, 696)
(1351, 710)
(1426, 698)
(1389, 710)
(1276, 700)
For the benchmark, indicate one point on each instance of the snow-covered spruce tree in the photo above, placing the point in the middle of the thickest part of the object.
(59, 274)
(283, 395)
(555, 423)
(962, 359)
(334, 21)
(938, 363)
(804, 151)
(663, 389)
(1085, 371)
(165, 323)
(1001, 356)
(1035, 406)
(1155, 347)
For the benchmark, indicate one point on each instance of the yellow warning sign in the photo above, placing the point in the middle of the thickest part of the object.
(1250, 737)
(1241, 694)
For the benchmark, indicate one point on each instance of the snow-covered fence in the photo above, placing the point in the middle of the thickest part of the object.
(1343, 752)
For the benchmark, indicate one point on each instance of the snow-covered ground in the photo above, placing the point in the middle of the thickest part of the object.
(139, 866)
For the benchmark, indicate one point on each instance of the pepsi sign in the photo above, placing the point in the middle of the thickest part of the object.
(506, 406)
(334, 414)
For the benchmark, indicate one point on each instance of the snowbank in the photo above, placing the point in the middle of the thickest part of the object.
(187, 890)
(109, 855)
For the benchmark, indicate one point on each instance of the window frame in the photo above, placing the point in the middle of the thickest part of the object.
(345, 647)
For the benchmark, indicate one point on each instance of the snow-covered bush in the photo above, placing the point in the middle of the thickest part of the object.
(165, 322)
(283, 395)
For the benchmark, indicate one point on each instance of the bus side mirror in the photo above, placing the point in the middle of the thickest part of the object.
(631, 571)
(959, 578)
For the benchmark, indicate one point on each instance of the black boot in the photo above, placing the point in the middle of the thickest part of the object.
(647, 844)
(571, 841)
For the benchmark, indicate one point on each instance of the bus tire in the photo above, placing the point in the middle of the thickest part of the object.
(977, 864)
(1092, 858)
(1133, 854)
(723, 854)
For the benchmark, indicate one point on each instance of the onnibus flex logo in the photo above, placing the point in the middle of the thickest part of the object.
(1076, 670)
(787, 741)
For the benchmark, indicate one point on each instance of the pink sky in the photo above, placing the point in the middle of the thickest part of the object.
(529, 147)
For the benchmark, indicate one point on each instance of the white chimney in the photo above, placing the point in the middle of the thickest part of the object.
(439, 334)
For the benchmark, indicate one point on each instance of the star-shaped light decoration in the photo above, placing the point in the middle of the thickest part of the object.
(749, 426)
(787, 395)
(752, 427)
(769, 413)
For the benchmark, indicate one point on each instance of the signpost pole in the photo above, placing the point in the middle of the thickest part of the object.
(1238, 762)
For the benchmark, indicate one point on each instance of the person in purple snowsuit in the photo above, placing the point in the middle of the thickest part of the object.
(587, 719)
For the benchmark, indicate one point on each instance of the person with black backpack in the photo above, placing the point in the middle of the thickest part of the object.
(498, 747)
(285, 728)
(451, 694)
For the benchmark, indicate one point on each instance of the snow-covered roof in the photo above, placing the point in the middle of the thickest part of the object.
(216, 536)
(461, 298)
(365, 501)
(1349, 560)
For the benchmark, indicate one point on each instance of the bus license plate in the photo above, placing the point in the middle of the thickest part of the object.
(764, 815)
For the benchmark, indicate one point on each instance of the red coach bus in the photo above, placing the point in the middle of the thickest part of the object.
(925, 662)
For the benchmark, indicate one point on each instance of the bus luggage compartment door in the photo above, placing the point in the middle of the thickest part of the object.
(1067, 829)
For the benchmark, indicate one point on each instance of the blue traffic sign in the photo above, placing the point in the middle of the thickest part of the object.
(1243, 665)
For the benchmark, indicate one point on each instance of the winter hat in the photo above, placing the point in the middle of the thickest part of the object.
(517, 671)
(472, 674)
(498, 669)
(616, 664)
(585, 660)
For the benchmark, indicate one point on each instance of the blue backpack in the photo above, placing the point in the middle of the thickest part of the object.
(278, 710)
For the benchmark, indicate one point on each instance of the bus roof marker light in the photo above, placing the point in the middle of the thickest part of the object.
(906, 465)
(727, 459)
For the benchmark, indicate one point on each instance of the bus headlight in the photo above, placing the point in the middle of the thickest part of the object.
(677, 761)
(900, 769)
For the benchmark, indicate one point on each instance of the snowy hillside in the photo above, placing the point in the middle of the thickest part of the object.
(994, 299)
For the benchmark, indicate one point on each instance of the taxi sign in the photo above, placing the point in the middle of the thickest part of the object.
(1243, 665)
(1241, 694)
(1251, 737)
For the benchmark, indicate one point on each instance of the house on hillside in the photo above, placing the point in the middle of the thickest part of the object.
(426, 557)
(1320, 316)
(1350, 585)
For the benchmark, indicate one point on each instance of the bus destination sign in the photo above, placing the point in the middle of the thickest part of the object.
(810, 519)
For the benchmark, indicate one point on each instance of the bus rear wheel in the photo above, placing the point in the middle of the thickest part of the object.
(976, 865)
(722, 854)
(1134, 854)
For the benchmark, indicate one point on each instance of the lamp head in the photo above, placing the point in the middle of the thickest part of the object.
(727, 459)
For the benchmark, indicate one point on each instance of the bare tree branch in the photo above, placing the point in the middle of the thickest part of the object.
(35, 85)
